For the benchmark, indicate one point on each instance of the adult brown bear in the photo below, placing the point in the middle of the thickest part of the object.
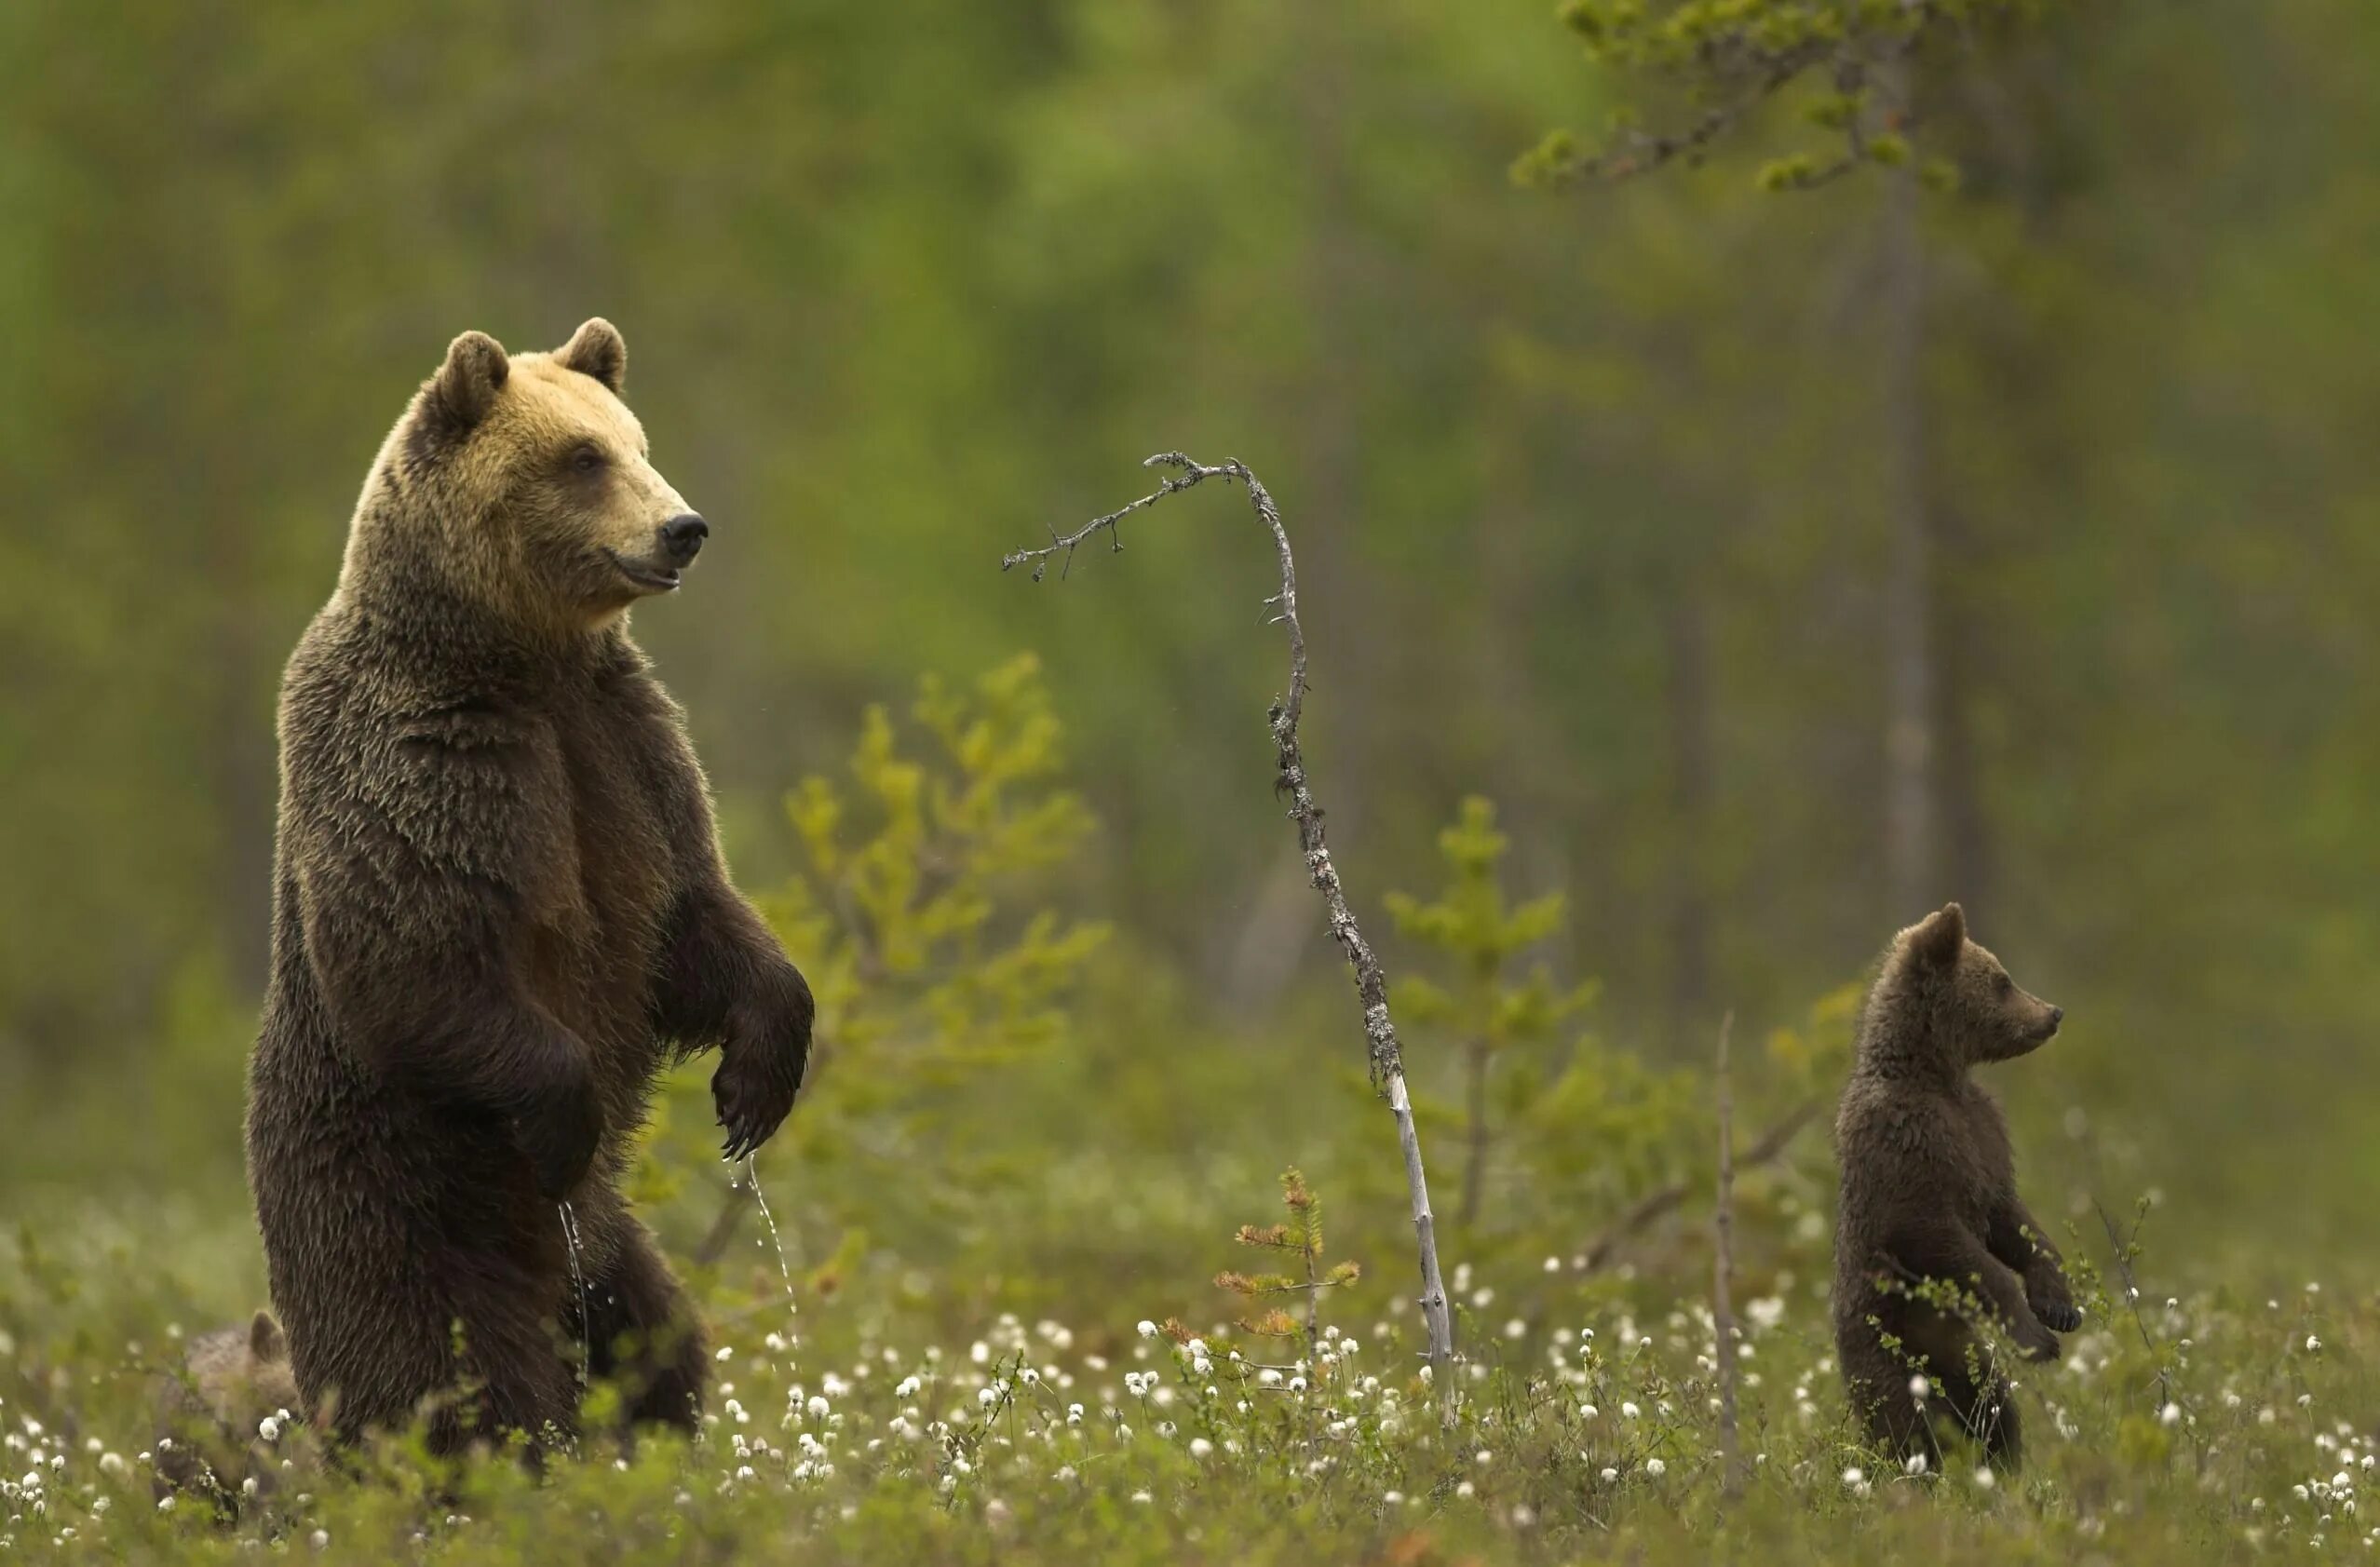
(499, 912)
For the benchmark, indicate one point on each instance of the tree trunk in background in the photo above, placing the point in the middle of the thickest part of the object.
(1959, 666)
(1911, 810)
(1342, 596)
(1689, 634)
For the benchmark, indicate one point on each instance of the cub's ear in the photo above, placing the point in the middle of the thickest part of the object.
(459, 396)
(596, 349)
(265, 1339)
(1940, 936)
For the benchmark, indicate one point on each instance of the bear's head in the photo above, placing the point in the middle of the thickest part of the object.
(523, 482)
(1961, 994)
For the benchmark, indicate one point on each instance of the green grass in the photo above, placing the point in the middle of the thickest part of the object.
(887, 1412)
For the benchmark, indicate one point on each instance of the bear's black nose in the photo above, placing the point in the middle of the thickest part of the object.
(2057, 1016)
(683, 536)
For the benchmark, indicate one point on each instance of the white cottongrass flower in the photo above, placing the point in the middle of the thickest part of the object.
(1200, 1447)
(1656, 1467)
(1855, 1475)
(1608, 1474)
(1916, 1465)
(1630, 1411)
(1148, 1329)
(2170, 1415)
(1985, 1479)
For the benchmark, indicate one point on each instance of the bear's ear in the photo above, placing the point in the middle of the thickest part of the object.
(596, 349)
(466, 386)
(1940, 936)
(265, 1339)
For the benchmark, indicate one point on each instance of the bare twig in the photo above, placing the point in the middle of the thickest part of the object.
(2121, 1247)
(722, 1233)
(1385, 1057)
(1769, 1147)
(1722, 1276)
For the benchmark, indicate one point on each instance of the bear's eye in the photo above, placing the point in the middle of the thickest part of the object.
(2002, 984)
(587, 459)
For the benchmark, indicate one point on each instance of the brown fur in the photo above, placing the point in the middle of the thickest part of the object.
(499, 910)
(209, 1442)
(1930, 1194)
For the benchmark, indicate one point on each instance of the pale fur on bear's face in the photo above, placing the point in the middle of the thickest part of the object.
(1994, 1018)
(538, 481)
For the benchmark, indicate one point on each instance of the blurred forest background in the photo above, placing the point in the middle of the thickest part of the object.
(1779, 564)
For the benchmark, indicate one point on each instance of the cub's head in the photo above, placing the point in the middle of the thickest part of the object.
(1970, 1004)
(525, 482)
(235, 1388)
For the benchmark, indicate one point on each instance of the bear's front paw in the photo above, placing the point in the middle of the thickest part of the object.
(559, 1133)
(761, 1065)
(2035, 1341)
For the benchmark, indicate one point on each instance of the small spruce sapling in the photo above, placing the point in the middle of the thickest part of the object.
(927, 973)
(1483, 1005)
(1301, 1238)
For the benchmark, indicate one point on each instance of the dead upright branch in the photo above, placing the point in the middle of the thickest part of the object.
(1722, 1276)
(1386, 1057)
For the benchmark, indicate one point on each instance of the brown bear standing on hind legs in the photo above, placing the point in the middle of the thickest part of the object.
(1930, 1197)
(499, 910)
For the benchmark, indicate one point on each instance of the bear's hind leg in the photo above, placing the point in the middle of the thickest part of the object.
(515, 1379)
(643, 1334)
(1897, 1421)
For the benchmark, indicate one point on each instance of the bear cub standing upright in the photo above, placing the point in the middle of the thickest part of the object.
(499, 910)
(1929, 1195)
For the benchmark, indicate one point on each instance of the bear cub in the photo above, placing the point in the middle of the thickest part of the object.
(1930, 1197)
(211, 1415)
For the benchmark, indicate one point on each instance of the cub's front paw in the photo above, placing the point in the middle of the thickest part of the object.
(2035, 1341)
(559, 1132)
(2059, 1315)
(761, 1064)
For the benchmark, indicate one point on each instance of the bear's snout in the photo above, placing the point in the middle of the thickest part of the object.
(681, 537)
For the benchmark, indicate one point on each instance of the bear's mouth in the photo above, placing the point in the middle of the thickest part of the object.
(657, 579)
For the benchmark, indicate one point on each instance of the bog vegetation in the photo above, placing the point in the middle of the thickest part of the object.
(946, 1340)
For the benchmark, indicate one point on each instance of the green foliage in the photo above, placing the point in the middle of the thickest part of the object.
(2185, 1423)
(928, 975)
(1725, 59)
